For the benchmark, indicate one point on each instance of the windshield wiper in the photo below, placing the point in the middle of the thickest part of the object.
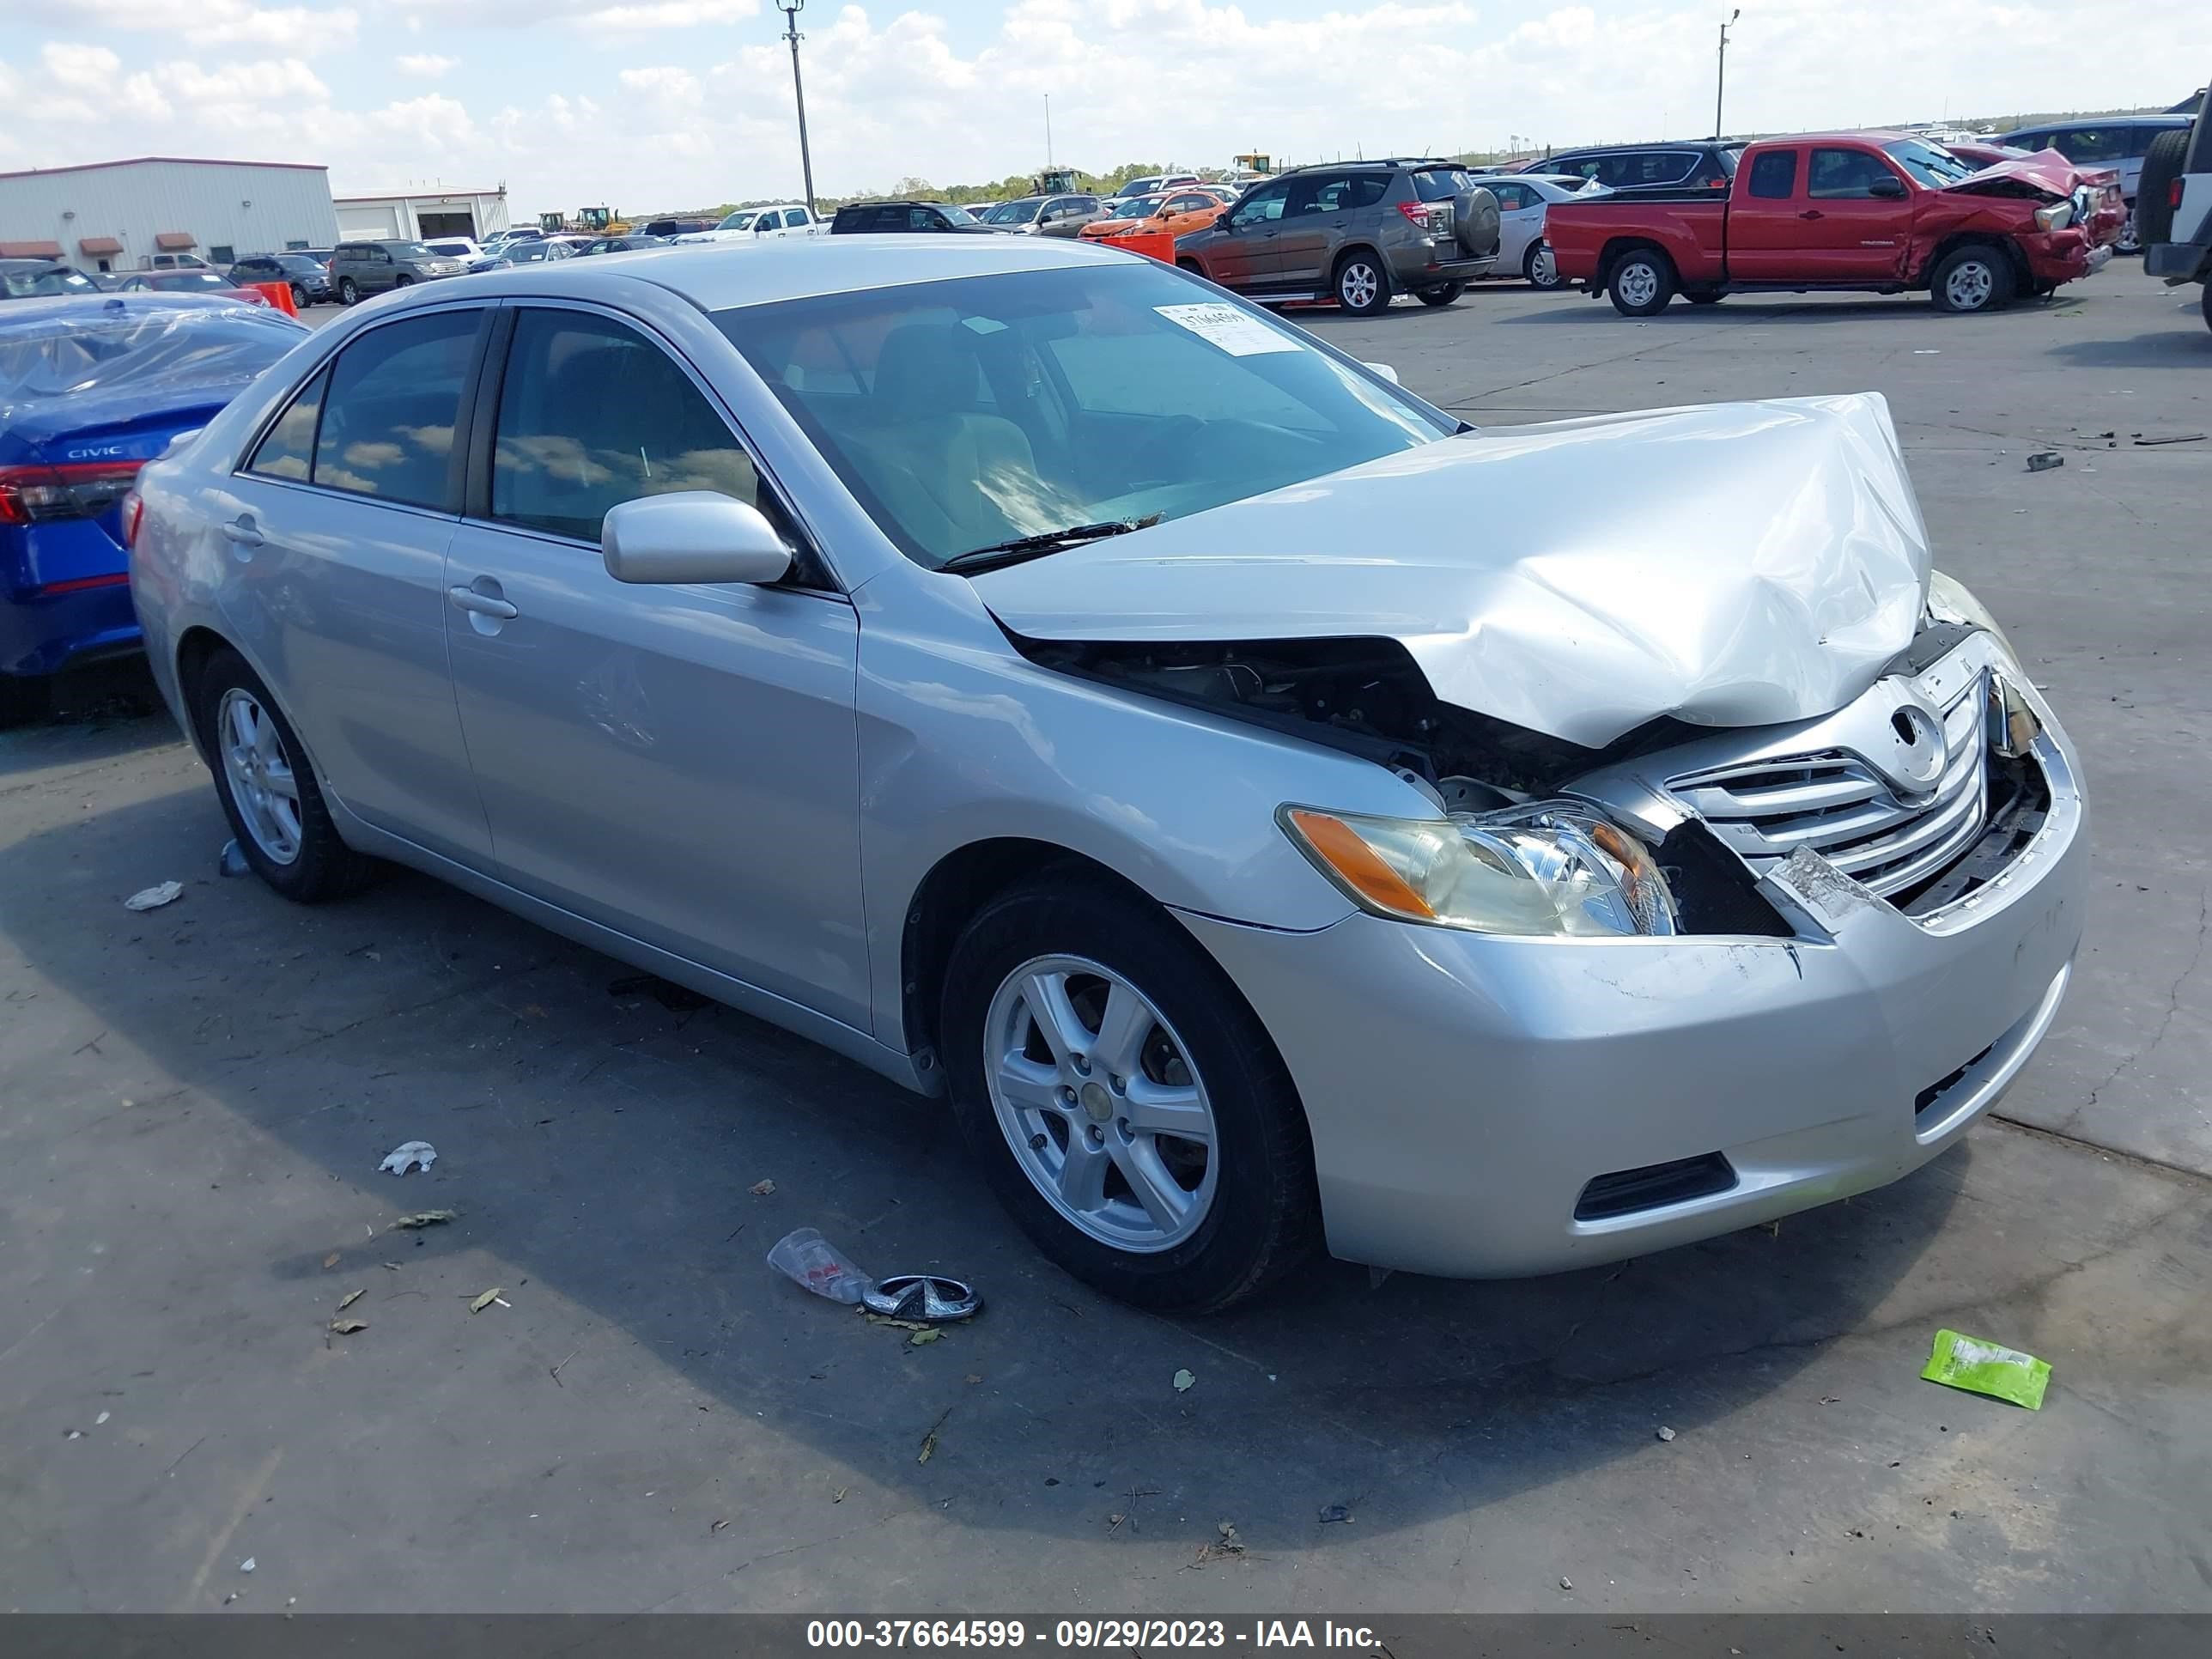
(1051, 541)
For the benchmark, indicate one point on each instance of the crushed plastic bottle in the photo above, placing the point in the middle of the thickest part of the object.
(232, 861)
(813, 1263)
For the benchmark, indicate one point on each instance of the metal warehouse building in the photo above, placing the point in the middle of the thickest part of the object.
(474, 213)
(116, 216)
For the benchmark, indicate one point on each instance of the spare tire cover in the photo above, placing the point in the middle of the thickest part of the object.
(1475, 216)
(2162, 163)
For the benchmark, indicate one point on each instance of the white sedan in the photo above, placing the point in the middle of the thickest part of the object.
(1523, 198)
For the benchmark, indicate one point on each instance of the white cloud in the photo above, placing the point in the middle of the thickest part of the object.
(78, 67)
(233, 89)
(437, 123)
(665, 86)
(668, 14)
(426, 65)
(295, 29)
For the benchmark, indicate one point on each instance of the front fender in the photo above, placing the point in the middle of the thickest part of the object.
(962, 740)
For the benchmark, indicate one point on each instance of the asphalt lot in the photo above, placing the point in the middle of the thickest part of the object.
(193, 1103)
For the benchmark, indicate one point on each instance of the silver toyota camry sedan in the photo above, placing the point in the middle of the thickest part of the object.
(1271, 813)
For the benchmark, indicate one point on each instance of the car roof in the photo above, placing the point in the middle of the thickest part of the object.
(791, 268)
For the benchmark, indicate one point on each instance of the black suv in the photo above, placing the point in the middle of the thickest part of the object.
(1695, 164)
(1354, 232)
(878, 217)
(310, 281)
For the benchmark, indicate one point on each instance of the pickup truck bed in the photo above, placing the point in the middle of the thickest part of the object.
(1867, 212)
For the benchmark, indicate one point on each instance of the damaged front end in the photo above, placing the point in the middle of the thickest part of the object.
(1924, 792)
(2064, 219)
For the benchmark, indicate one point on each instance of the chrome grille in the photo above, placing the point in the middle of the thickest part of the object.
(1842, 808)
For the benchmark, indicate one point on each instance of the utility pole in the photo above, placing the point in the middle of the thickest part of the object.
(1720, 84)
(791, 11)
(1047, 132)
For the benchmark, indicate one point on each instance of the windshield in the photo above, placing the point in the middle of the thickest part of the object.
(184, 282)
(738, 222)
(958, 215)
(409, 251)
(1931, 166)
(968, 413)
(1137, 207)
(28, 282)
(1015, 213)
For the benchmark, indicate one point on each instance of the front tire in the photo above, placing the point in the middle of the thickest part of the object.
(1541, 267)
(348, 293)
(1641, 283)
(1971, 280)
(1443, 295)
(1127, 1105)
(300, 300)
(268, 789)
(1362, 285)
(2130, 234)
(402, 280)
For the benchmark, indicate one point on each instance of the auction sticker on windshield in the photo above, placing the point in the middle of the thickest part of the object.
(1234, 331)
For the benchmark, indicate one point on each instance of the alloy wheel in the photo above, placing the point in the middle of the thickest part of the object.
(1099, 1101)
(1358, 285)
(259, 774)
(1541, 270)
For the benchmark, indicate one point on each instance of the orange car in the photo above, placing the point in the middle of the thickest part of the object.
(1173, 213)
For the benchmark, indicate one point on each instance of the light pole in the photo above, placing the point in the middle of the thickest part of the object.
(1720, 84)
(791, 11)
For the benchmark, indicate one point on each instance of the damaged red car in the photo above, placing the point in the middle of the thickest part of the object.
(1874, 212)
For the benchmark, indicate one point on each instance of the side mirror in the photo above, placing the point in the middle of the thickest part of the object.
(1384, 370)
(691, 536)
(1889, 190)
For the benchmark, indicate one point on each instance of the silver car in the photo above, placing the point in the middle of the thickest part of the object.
(1523, 199)
(1078, 694)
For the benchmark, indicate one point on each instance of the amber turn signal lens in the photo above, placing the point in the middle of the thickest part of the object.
(1361, 870)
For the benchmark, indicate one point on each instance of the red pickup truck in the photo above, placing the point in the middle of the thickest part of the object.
(1875, 211)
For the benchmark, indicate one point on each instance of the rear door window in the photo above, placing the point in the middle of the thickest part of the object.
(388, 418)
(287, 450)
(1774, 176)
(2099, 144)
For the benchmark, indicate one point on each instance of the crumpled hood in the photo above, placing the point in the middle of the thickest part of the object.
(2046, 169)
(1734, 564)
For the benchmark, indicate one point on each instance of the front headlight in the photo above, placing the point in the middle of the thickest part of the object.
(2056, 216)
(1545, 868)
(1949, 600)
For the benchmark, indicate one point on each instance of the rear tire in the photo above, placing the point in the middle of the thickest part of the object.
(1541, 267)
(348, 293)
(1361, 284)
(1705, 299)
(24, 699)
(1641, 283)
(2153, 212)
(1253, 1209)
(1442, 295)
(1971, 280)
(305, 859)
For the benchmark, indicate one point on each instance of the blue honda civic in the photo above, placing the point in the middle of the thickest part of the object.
(92, 388)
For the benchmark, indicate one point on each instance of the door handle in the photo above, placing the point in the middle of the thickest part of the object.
(1812, 213)
(241, 530)
(482, 604)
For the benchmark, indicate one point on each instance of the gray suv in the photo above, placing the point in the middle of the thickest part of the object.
(360, 269)
(1354, 232)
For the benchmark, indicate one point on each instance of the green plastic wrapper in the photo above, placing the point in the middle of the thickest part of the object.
(1980, 1367)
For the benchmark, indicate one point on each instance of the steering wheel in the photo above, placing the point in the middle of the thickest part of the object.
(1162, 450)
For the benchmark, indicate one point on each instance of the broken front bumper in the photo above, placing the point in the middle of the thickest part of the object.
(1468, 1095)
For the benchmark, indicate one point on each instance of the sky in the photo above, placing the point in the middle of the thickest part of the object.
(656, 104)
